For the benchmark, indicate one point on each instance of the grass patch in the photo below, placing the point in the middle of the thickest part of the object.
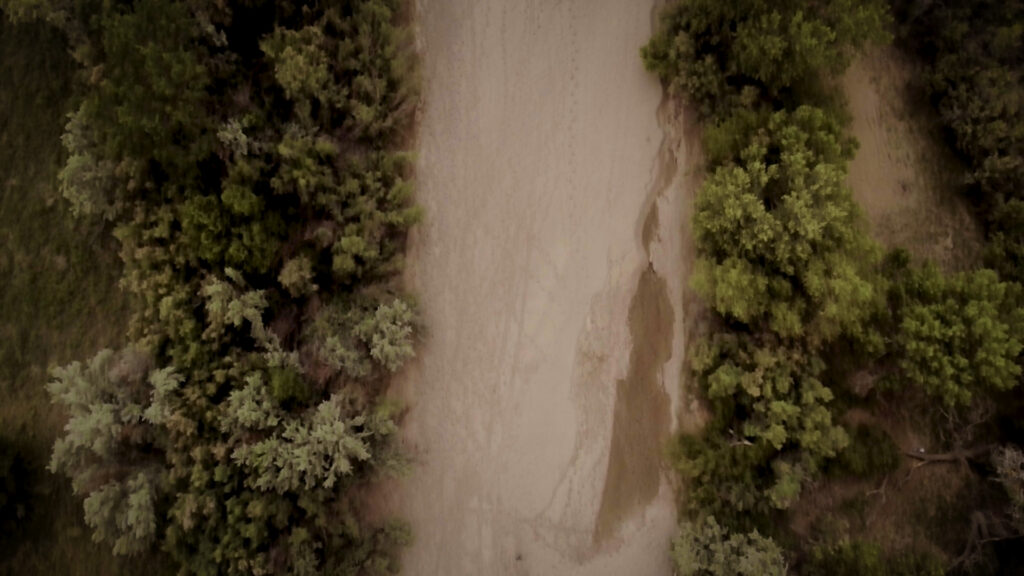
(59, 301)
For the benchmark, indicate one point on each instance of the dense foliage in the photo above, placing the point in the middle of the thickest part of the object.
(244, 155)
(782, 257)
(955, 336)
(728, 54)
(802, 298)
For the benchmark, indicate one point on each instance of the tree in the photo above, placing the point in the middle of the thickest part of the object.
(703, 548)
(320, 449)
(780, 243)
(956, 336)
(297, 276)
(388, 333)
(108, 450)
(301, 67)
(374, 61)
(771, 430)
(357, 337)
(149, 98)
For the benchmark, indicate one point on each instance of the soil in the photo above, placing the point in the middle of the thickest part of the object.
(903, 176)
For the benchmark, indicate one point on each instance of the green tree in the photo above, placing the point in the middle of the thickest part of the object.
(297, 276)
(771, 431)
(319, 449)
(388, 334)
(956, 336)
(106, 400)
(301, 66)
(357, 337)
(374, 61)
(149, 97)
(780, 241)
(703, 548)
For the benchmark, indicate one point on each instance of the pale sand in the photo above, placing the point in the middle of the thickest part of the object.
(540, 156)
(903, 176)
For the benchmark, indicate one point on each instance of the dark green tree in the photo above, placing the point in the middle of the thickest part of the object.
(718, 53)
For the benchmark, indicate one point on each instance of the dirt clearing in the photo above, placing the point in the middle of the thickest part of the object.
(903, 177)
(541, 159)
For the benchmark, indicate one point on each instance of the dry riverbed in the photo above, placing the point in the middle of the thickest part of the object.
(550, 273)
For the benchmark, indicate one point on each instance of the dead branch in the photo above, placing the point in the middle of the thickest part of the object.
(954, 456)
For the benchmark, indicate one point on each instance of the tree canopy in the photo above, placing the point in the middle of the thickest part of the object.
(781, 244)
(247, 157)
(956, 336)
(703, 548)
(724, 54)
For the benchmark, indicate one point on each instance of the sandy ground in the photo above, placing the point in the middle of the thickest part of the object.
(554, 234)
(903, 177)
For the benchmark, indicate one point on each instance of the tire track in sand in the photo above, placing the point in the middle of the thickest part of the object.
(538, 134)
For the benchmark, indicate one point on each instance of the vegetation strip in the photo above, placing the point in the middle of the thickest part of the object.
(247, 157)
(801, 295)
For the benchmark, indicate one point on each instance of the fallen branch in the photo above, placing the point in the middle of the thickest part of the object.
(954, 456)
(881, 489)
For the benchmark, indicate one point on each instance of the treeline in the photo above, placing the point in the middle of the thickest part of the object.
(247, 156)
(802, 297)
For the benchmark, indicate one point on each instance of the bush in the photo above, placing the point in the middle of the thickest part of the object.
(871, 453)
